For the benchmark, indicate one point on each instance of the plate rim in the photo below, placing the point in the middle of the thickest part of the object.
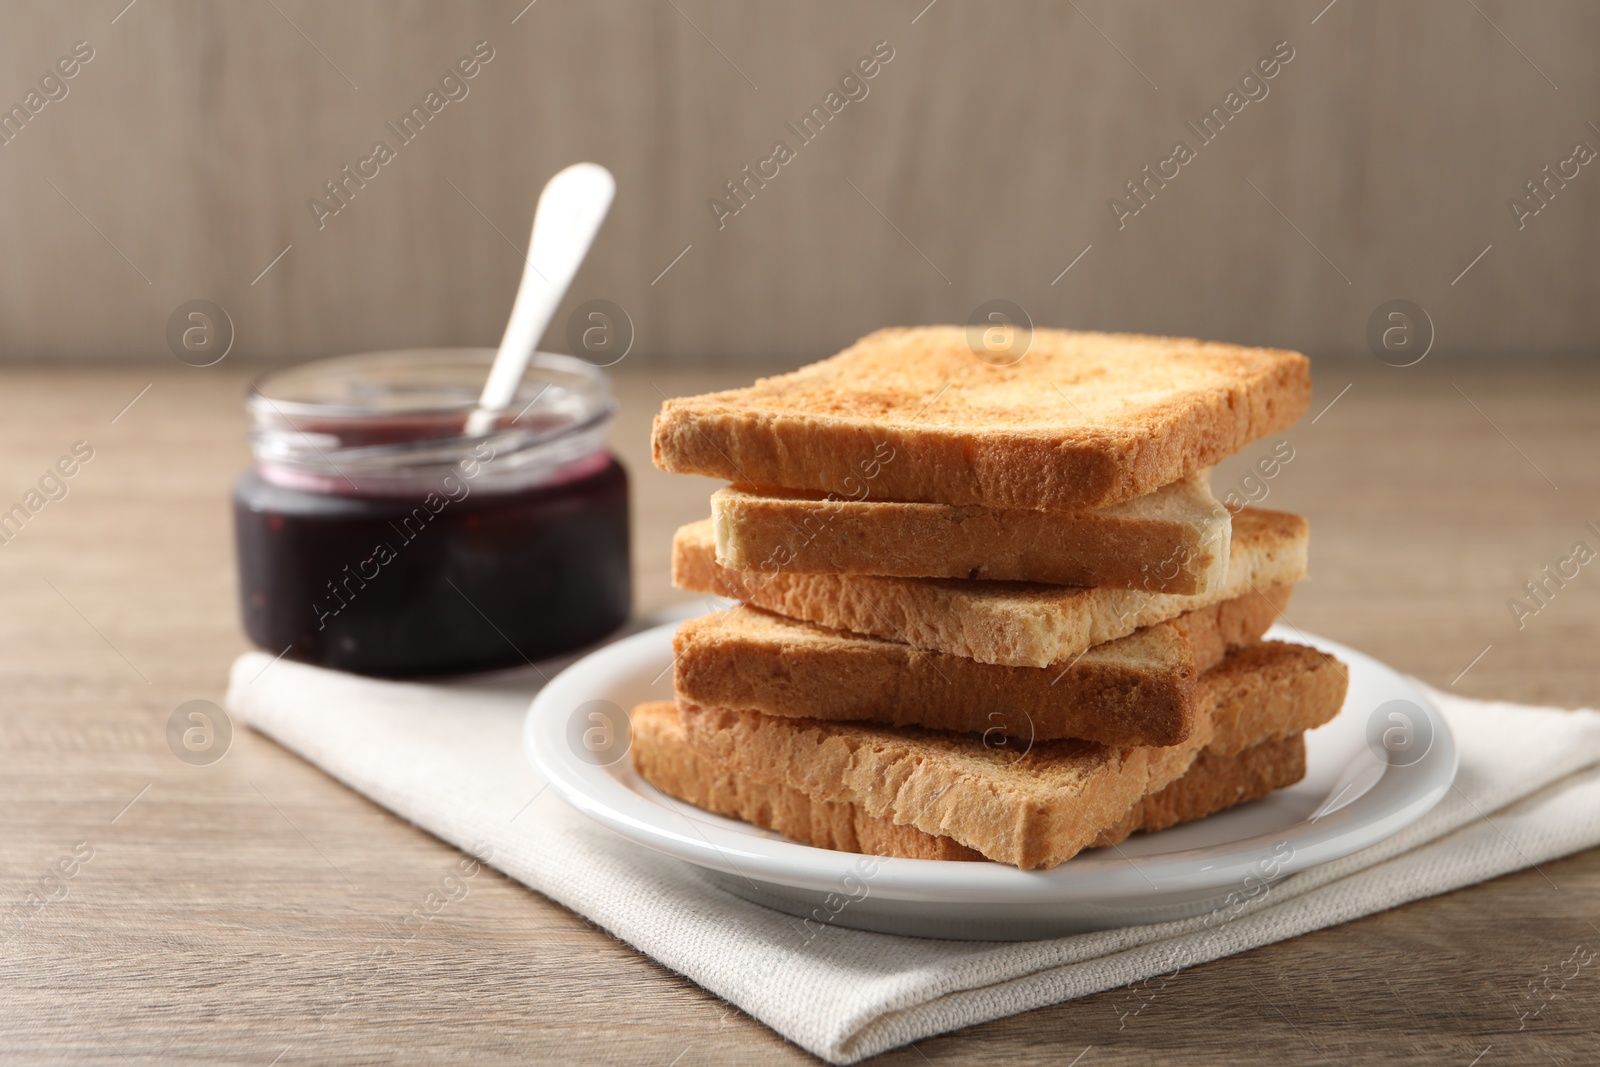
(1389, 806)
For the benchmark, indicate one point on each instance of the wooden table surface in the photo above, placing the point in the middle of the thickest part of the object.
(225, 906)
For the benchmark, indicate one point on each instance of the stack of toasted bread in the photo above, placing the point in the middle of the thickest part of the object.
(986, 611)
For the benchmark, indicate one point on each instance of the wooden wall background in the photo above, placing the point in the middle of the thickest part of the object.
(180, 162)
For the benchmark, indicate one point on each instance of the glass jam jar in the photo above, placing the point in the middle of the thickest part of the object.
(375, 536)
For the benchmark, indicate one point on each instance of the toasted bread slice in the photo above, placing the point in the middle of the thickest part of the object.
(1214, 782)
(663, 757)
(1136, 690)
(1033, 806)
(1082, 420)
(1011, 623)
(1174, 540)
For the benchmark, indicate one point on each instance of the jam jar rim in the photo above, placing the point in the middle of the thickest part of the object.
(520, 457)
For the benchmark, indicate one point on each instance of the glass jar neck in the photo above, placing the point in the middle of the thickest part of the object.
(469, 475)
(393, 424)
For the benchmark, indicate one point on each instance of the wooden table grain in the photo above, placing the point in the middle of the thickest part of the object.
(228, 913)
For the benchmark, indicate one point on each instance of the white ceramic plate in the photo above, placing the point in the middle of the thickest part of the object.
(1379, 766)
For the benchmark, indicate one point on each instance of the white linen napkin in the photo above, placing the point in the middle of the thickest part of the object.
(448, 757)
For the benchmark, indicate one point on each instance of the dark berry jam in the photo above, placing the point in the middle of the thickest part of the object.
(435, 585)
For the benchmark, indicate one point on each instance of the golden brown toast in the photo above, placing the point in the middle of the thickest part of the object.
(1030, 807)
(1011, 623)
(1174, 540)
(1215, 782)
(663, 756)
(1137, 690)
(1082, 420)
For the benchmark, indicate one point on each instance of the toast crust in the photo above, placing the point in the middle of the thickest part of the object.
(1083, 420)
(1137, 690)
(1174, 540)
(1010, 623)
(664, 758)
(1034, 808)
(1213, 783)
